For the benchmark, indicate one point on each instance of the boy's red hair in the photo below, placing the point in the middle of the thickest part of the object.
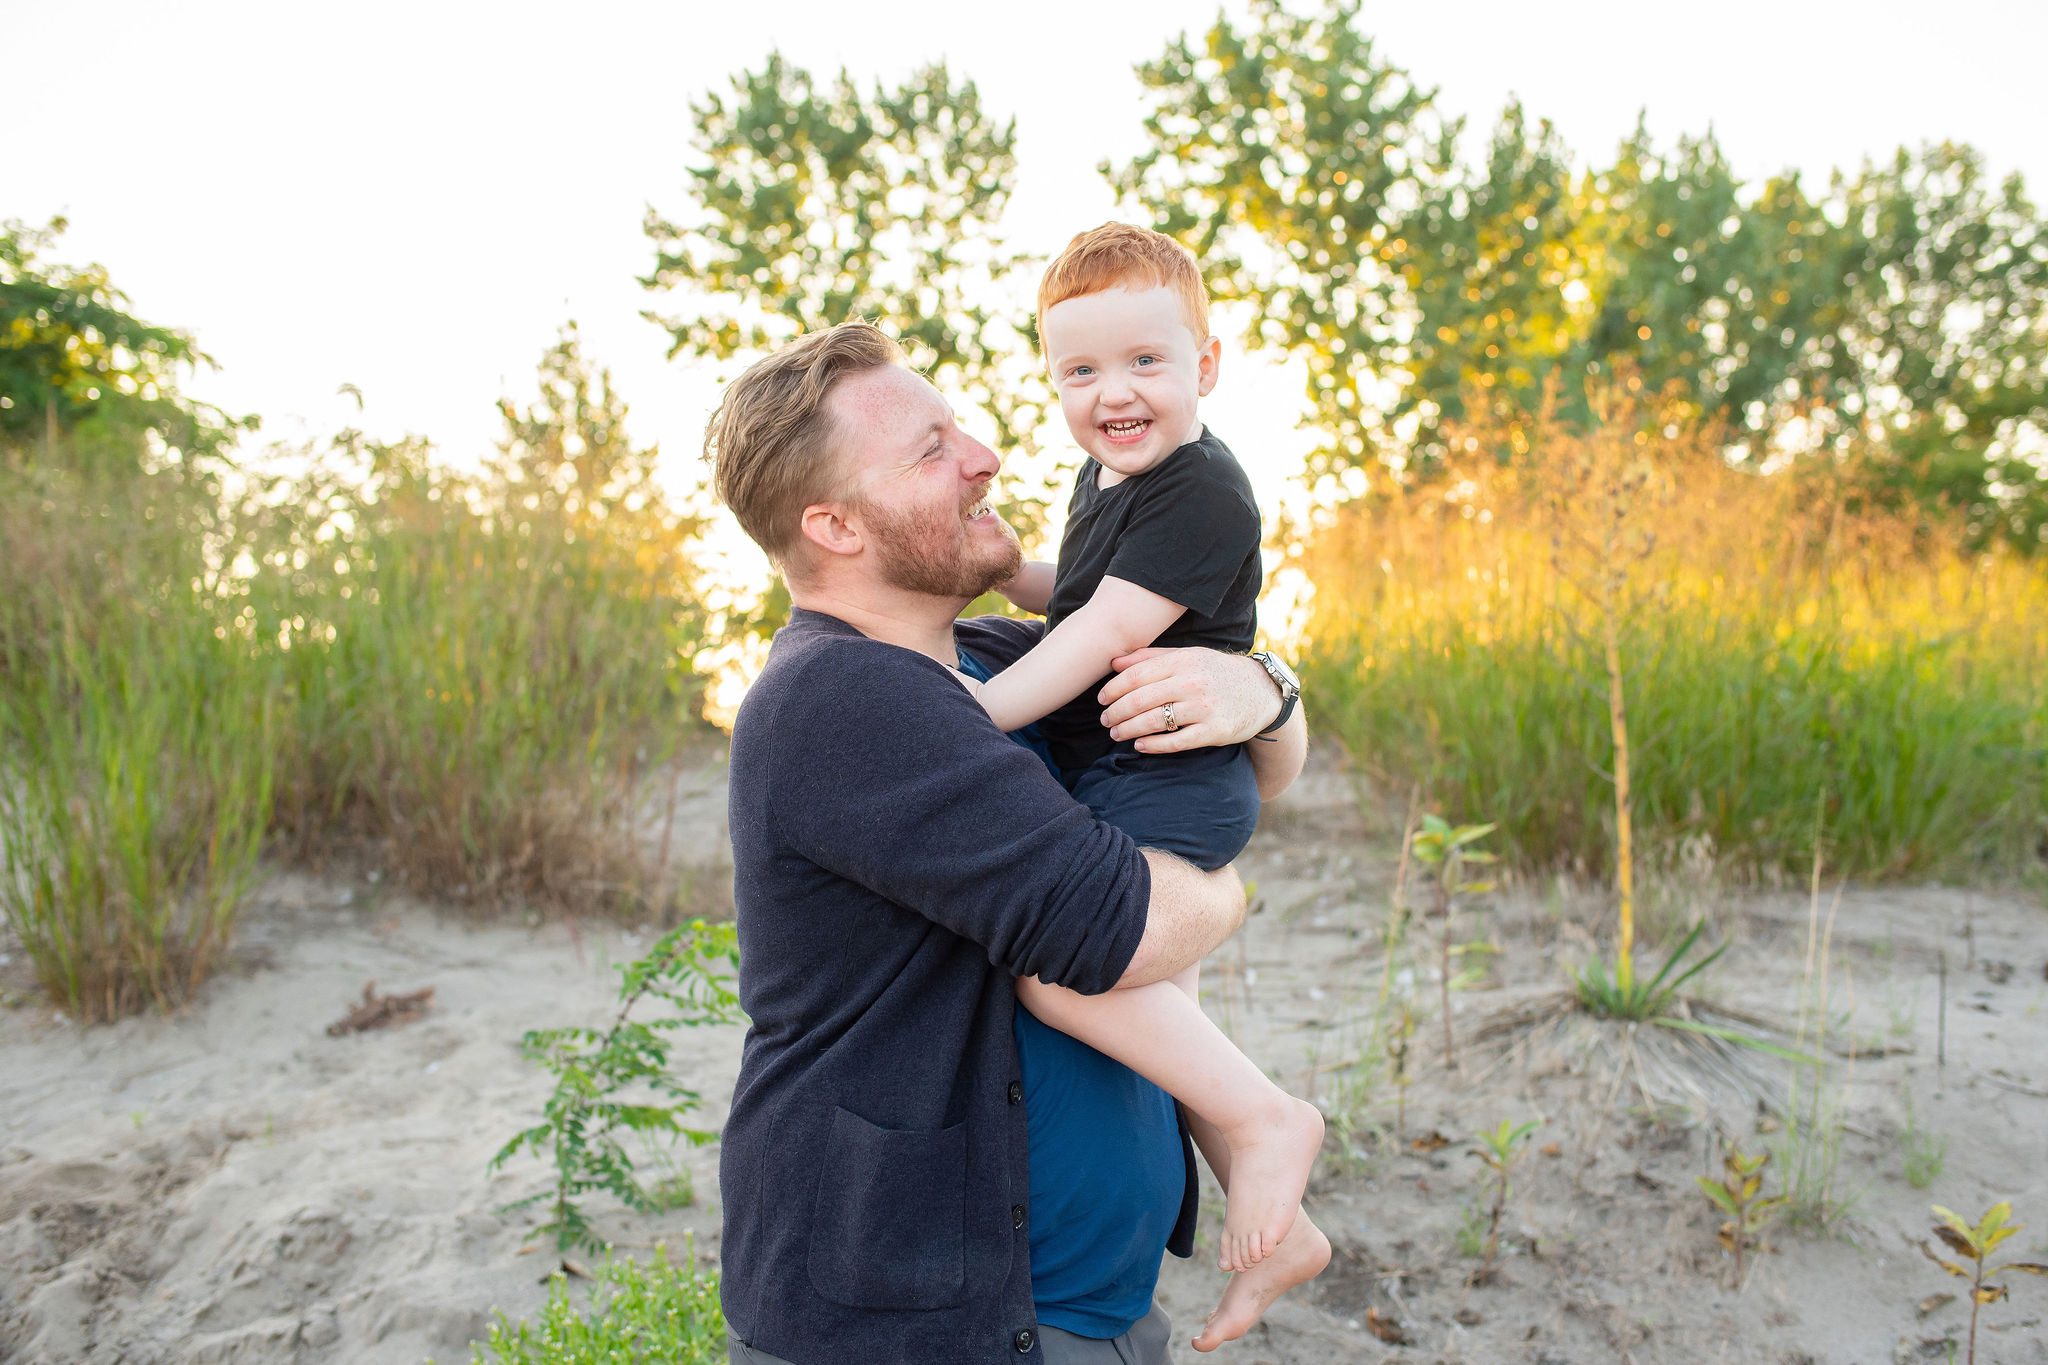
(1119, 256)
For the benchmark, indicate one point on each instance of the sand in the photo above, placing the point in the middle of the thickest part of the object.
(234, 1184)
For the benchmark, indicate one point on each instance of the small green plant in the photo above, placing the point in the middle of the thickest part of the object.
(617, 1080)
(1499, 1150)
(1739, 1194)
(1397, 1053)
(1922, 1154)
(1446, 850)
(636, 1312)
(1975, 1245)
(1471, 1233)
(1622, 995)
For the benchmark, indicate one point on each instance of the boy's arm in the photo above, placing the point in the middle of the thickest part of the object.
(1031, 589)
(1075, 654)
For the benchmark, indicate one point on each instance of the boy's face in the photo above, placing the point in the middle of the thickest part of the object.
(1129, 373)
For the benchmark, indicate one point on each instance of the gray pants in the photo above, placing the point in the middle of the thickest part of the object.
(1147, 1343)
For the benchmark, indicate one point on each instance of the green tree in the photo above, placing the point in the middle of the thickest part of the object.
(1289, 155)
(82, 376)
(1948, 337)
(1488, 276)
(569, 450)
(1733, 295)
(813, 203)
(1896, 324)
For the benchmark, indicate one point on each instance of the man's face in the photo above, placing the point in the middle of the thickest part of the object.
(918, 487)
(1129, 374)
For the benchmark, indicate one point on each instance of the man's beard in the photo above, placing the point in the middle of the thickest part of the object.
(919, 552)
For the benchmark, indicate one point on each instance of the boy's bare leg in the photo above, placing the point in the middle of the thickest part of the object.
(1160, 1032)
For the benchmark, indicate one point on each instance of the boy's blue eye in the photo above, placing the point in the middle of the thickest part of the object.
(1147, 359)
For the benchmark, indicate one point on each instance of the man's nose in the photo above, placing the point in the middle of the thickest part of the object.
(979, 463)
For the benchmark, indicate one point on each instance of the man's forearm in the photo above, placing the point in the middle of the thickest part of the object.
(1277, 758)
(1190, 913)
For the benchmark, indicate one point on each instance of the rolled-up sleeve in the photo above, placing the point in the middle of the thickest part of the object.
(909, 790)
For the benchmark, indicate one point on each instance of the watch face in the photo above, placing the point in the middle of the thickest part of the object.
(1281, 673)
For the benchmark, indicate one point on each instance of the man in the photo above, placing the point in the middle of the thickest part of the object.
(897, 864)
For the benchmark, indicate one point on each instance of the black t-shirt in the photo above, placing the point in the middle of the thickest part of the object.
(1187, 529)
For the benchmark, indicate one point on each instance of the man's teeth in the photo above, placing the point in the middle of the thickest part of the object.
(979, 509)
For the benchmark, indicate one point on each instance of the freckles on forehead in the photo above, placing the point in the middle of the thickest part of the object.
(878, 415)
(892, 396)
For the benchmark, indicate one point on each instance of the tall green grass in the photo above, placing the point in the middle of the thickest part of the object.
(480, 687)
(1780, 649)
(470, 678)
(138, 738)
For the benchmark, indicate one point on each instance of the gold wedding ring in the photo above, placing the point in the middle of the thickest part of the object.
(1171, 723)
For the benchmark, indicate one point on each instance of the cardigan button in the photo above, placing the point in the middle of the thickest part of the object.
(1016, 1092)
(1024, 1341)
(1017, 1216)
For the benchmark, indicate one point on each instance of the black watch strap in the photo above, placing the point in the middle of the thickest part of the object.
(1286, 712)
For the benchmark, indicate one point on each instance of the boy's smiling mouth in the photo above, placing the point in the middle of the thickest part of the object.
(1126, 429)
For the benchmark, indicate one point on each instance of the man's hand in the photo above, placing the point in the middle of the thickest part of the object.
(1216, 698)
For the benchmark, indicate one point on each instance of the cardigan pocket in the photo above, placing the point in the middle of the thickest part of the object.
(889, 1226)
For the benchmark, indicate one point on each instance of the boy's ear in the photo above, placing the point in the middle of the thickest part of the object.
(1208, 365)
(825, 525)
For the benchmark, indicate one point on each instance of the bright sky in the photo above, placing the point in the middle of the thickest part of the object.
(411, 197)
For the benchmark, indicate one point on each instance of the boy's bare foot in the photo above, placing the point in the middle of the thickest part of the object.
(1269, 1166)
(1250, 1293)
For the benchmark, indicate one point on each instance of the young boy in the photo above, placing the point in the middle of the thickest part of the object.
(1161, 547)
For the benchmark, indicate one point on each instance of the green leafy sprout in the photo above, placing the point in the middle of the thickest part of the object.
(617, 1080)
(1975, 1245)
(1499, 1150)
(1739, 1194)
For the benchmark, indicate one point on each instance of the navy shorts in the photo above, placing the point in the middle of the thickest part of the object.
(1201, 805)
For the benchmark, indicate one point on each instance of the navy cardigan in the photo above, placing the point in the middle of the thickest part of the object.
(897, 862)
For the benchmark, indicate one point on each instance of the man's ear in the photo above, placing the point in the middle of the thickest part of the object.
(825, 525)
(1208, 365)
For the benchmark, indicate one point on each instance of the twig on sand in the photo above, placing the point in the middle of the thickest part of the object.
(381, 1011)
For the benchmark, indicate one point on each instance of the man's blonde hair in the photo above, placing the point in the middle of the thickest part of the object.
(1123, 256)
(773, 446)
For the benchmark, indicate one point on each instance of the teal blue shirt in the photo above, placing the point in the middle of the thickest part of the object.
(1109, 1170)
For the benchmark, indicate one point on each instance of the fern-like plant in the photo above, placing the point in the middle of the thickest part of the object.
(613, 1081)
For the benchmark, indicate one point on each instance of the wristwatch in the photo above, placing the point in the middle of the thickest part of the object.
(1284, 679)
